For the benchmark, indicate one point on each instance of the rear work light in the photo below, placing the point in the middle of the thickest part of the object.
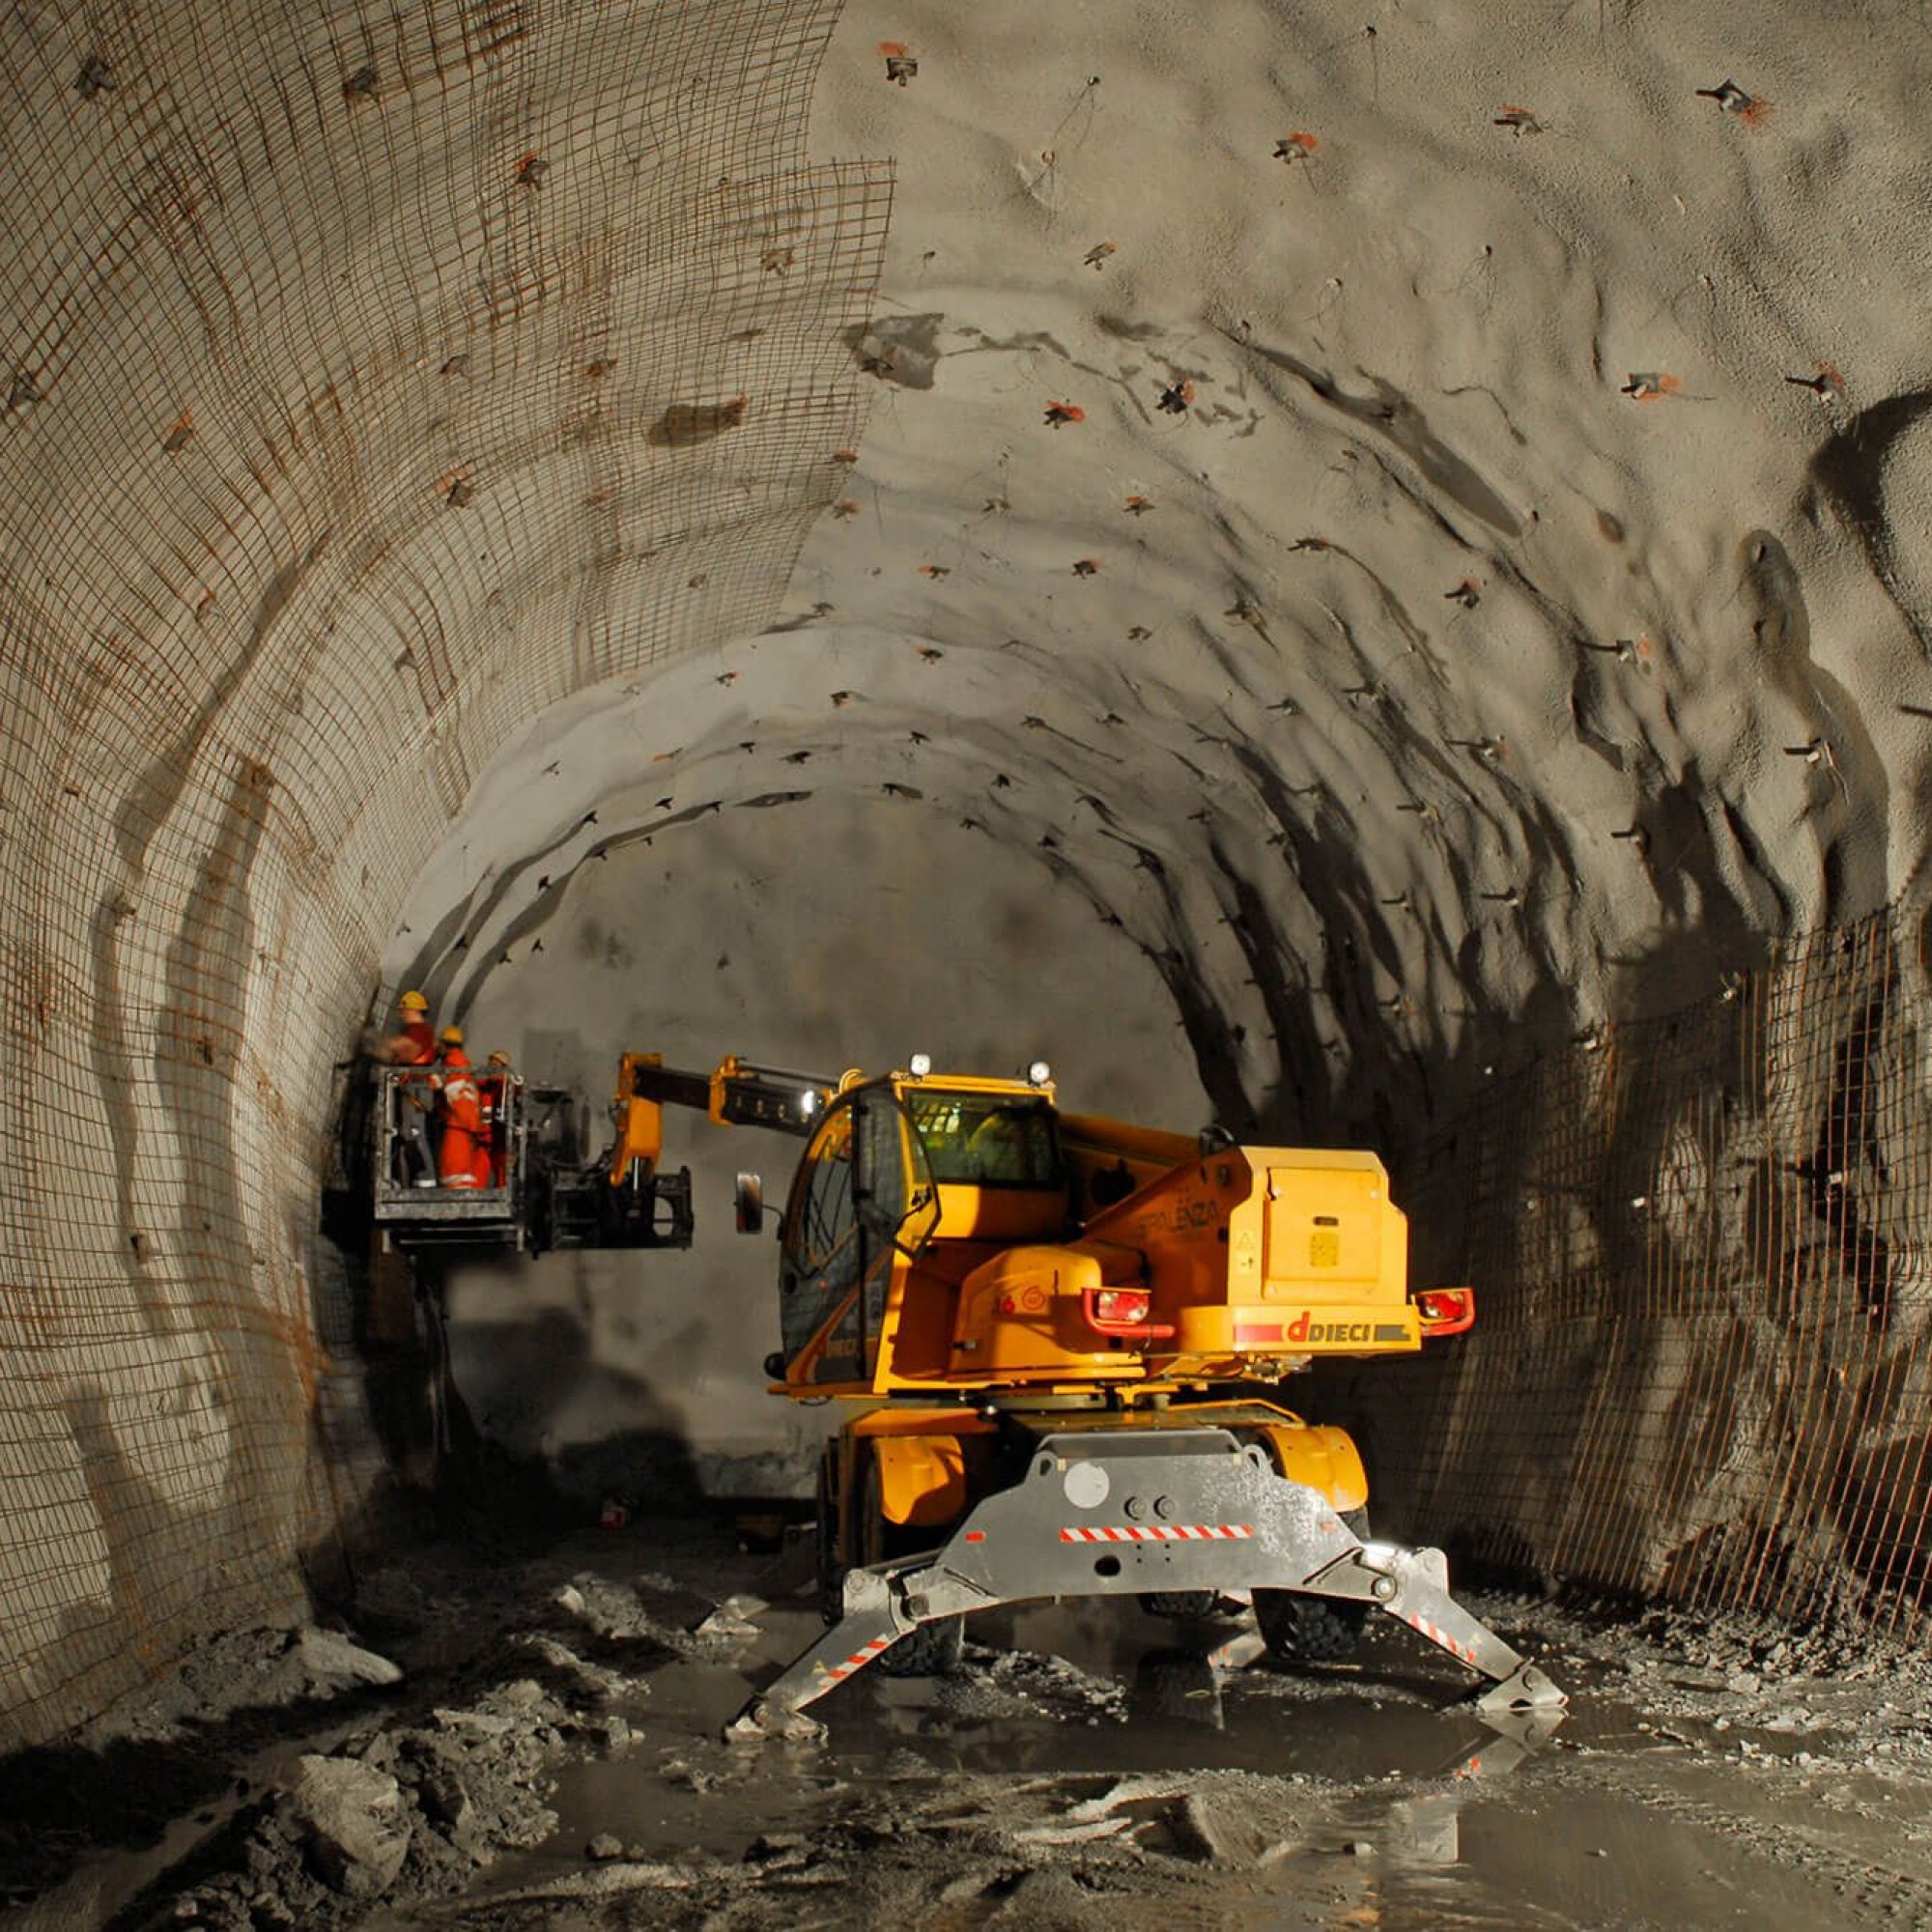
(1447, 1311)
(1122, 1311)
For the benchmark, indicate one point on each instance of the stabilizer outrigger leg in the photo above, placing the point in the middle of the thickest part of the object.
(879, 1611)
(1412, 1585)
(1167, 1510)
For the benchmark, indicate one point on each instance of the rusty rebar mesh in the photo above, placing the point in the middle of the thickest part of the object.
(1701, 1369)
(371, 380)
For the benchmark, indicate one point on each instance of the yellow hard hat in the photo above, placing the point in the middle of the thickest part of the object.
(414, 1001)
(451, 1035)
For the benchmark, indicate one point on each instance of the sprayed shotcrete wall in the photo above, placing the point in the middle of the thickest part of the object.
(1430, 576)
(335, 341)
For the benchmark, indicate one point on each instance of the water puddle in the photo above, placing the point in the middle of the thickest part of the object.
(1364, 1796)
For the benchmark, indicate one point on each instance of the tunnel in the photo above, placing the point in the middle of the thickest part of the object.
(1351, 576)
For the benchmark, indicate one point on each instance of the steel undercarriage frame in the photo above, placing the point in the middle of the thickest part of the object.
(1167, 1510)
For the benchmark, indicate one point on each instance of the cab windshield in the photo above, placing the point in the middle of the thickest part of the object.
(986, 1140)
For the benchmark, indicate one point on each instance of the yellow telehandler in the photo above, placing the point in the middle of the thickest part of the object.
(1038, 1318)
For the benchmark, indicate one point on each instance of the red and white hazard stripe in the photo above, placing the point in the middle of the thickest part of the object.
(1436, 1634)
(1164, 1533)
(836, 1672)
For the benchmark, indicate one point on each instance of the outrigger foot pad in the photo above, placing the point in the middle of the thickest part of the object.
(762, 1719)
(1524, 1688)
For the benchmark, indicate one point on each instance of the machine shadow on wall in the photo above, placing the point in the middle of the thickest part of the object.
(1701, 1364)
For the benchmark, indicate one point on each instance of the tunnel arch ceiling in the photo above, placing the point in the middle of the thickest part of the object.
(375, 383)
(1467, 679)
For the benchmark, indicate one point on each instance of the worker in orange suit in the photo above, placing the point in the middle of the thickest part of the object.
(413, 1044)
(466, 1144)
(496, 1082)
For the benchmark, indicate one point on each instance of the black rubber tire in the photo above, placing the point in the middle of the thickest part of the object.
(1189, 1606)
(1300, 1629)
(932, 1649)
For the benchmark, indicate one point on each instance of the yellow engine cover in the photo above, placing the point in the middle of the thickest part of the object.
(1331, 1234)
(1020, 1320)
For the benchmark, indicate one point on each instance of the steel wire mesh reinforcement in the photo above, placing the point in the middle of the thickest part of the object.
(1701, 1369)
(371, 380)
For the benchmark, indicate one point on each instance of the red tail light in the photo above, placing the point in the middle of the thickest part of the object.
(1122, 1311)
(1447, 1311)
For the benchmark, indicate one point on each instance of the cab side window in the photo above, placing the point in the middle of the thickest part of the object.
(820, 1264)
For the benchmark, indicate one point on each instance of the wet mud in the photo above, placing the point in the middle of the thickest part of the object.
(553, 1756)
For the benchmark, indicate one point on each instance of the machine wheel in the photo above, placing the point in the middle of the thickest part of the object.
(1188, 1605)
(1302, 1629)
(932, 1649)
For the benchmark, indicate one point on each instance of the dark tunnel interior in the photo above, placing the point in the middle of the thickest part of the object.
(1234, 559)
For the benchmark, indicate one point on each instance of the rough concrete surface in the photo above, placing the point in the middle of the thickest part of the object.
(1365, 678)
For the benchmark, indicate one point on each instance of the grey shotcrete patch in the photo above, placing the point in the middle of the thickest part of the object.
(898, 349)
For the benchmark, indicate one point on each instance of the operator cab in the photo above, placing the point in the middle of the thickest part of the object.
(920, 1172)
(995, 1159)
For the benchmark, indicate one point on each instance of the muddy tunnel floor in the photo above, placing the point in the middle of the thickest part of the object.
(551, 1756)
